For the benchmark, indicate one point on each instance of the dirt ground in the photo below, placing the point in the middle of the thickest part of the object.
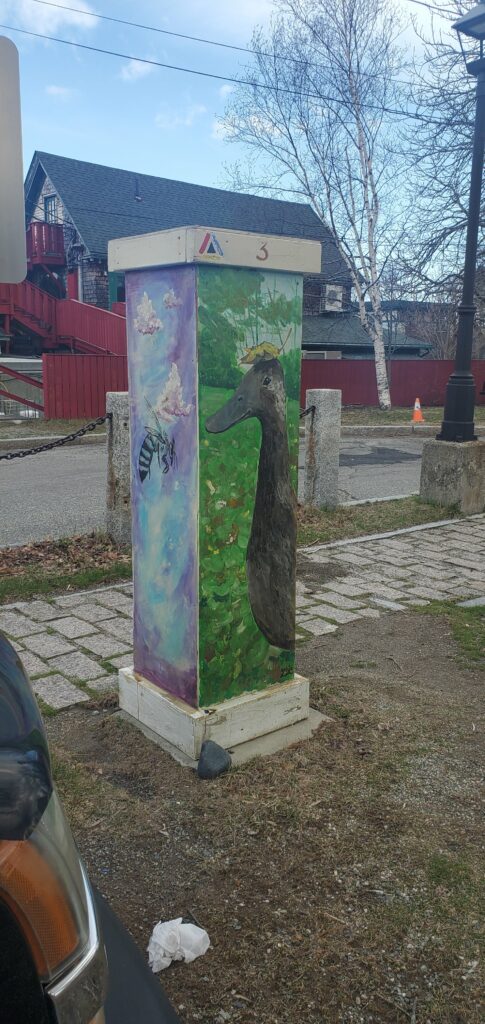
(339, 881)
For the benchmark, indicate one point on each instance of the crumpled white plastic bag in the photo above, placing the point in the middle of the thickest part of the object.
(173, 940)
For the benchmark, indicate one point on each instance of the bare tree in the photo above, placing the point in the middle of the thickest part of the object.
(440, 142)
(436, 323)
(426, 313)
(319, 119)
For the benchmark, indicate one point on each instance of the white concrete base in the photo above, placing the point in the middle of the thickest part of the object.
(263, 746)
(240, 720)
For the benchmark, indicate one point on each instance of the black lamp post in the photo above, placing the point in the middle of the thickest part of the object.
(458, 422)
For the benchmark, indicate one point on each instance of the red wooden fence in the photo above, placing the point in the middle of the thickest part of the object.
(410, 379)
(75, 386)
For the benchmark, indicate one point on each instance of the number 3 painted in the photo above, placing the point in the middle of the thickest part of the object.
(263, 251)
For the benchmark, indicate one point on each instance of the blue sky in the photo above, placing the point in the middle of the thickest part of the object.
(117, 112)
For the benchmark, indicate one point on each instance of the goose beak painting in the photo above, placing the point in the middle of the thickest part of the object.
(234, 411)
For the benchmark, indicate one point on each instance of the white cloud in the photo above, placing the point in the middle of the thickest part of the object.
(62, 91)
(38, 18)
(220, 131)
(135, 69)
(168, 119)
(225, 91)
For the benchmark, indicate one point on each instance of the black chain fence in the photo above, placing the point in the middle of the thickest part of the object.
(59, 441)
(49, 445)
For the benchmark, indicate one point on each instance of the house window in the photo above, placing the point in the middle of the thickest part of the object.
(50, 209)
(332, 301)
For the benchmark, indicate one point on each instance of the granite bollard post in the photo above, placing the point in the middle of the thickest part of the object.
(118, 504)
(453, 474)
(322, 445)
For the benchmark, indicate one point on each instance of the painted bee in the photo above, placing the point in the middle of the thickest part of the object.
(156, 441)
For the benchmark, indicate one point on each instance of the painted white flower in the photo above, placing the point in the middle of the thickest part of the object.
(170, 300)
(171, 402)
(147, 321)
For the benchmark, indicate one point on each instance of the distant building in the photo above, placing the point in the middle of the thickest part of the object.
(73, 209)
(342, 336)
(77, 207)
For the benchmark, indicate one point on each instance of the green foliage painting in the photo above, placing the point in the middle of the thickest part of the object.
(241, 314)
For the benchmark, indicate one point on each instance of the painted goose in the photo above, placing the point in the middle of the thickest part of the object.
(271, 552)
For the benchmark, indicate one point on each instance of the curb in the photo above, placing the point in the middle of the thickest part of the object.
(389, 430)
(8, 444)
(398, 430)
(394, 430)
(391, 533)
(376, 501)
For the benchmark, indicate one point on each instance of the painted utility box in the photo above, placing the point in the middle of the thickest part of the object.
(214, 348)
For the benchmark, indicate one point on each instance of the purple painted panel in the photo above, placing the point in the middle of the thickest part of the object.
(163, 404)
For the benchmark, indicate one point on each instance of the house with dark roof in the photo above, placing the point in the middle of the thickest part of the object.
(88, 204)
(342, 336)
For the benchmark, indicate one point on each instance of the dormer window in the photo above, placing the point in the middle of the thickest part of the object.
(50, 209)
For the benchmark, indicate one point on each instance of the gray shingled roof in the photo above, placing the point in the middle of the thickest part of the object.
(345, 331)
(102, 204)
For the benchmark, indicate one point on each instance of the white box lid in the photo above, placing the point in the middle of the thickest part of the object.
(216, 246)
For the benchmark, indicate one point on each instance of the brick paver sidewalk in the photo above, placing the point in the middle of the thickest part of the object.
(390, 572)
(72, 646)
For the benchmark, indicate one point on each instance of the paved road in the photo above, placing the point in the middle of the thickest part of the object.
(54, 494)
(377, 467)
(63, 492)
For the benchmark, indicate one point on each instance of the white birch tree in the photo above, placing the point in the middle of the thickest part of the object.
(319, 116)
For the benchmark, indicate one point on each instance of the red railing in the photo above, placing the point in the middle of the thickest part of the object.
(119, 308)
(45, 243)
(24, 378)
(31, 303)
(95, 327)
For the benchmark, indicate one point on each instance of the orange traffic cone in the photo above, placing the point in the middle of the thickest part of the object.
(417, 414)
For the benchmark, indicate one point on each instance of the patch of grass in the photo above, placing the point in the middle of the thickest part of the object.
(42, 427)
(447, 872)
(363, 664)
(46, 710)
(33, 584)
(361, 415)
(317, 526)
(75, 784)
(108, 667)
(468, 628)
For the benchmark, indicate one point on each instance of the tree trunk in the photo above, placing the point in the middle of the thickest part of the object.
(383, 392)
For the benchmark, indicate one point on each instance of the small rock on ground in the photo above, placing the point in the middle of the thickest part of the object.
(213, 760)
